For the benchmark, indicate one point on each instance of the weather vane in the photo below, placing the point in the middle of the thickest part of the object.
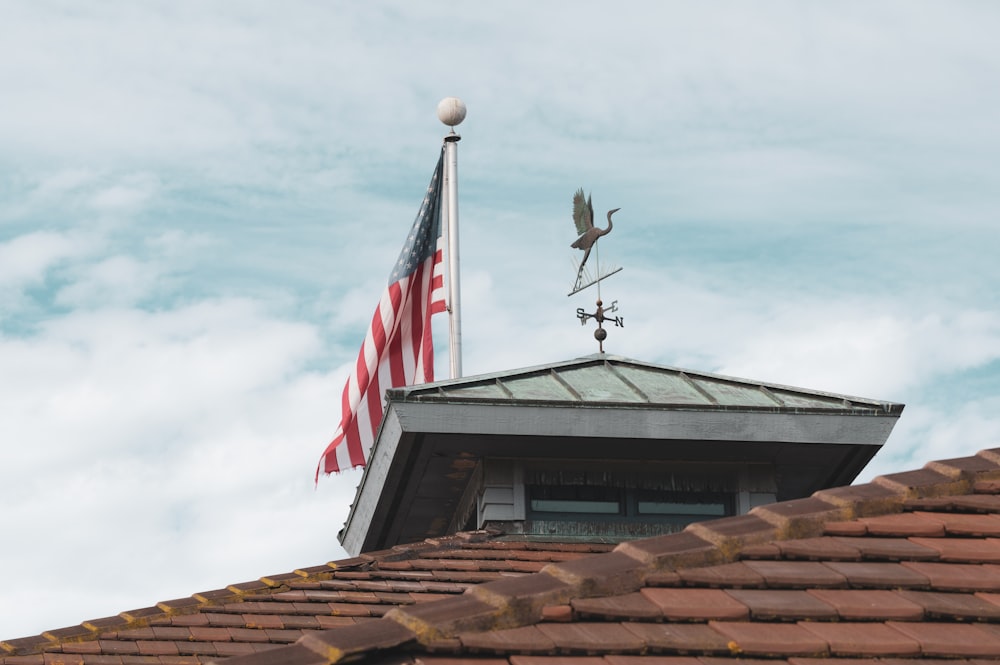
(583, 217)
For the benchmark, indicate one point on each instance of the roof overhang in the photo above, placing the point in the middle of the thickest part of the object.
(433, 436)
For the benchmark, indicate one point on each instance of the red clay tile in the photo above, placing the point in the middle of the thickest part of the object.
(171, 633)
(957, 576)
(359, 638)
(970, 468)
(736, 531)
(961, 606)
(676, 550)
(282, 636)
(680, 638)
(591, 638)
(116, 648)
(90, 647)
(771, 639)
(265, 621)
(879, 575)
(891, 549)
(557, 613)
(663, 578)
(864, 499)
(68, 633)
(716, 660)
(987, 487)
(178, 604)
(772, 605)
(210, 633)
(823, 548)
(651, 660)
(25, 644)
(964, 550)
(294, 654)
(246, 634)
(628, 606)
(799, 518)
(63, 659)
(921, 482)
(862, 639)
(229, 649)
(696, 604)
(601, 574)
(738, 575)
(157, 648)
(448, 660)
(904, 524)
(863, 604)
(760, 551)
(195, 649)
(524, 594)
(556, 660)
(449, 616)
(335, 622)
(107, 623)
(949, 640)
(851, 528)
(797, 574)
(976, 525)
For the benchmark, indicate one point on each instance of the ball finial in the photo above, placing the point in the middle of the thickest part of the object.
(451, 111)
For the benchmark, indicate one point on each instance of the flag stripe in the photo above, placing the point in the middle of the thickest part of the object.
(398, 348)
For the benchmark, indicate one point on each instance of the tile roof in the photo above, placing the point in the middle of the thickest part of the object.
(905, 567)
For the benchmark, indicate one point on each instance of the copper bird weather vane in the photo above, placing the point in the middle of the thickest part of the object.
(583, 218)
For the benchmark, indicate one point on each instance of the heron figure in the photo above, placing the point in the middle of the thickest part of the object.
(583, 217)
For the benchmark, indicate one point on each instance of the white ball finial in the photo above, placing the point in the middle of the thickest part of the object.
(451, 111)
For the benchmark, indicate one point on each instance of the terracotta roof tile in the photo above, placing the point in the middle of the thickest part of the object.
(591, 638)
(961, 606)
(957, 576)
(628, 606)
(890, 549)
(731, 575)
(862, 639)
(963, 524)
(879, 575)
(903, 524)
(680, 638)
(872, 605)
(904, 570)
(770, 605)
(950, 639)
(771, 639)
(963, 550)
(796, 574)
(557, 660)
(696, 604)
(819, 549)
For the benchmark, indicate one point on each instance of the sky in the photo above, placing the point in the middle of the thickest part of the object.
(200, 204)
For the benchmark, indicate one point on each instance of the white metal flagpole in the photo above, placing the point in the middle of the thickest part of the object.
(451, 111)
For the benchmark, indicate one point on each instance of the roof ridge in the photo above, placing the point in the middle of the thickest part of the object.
(519, 601)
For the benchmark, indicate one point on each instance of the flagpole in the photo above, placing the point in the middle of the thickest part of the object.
(451, 111)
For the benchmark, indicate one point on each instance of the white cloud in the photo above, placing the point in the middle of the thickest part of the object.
(165, 441)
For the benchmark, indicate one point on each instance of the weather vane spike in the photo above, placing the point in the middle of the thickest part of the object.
(583, 218)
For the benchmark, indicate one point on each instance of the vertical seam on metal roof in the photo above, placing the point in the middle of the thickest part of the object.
(621, 377)
(562, 382)
(777, 400)
(506, 391)
(701, 391)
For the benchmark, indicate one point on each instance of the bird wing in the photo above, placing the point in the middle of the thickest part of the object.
(583, 212)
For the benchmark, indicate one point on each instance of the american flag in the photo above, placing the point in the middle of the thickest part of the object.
(398, 350)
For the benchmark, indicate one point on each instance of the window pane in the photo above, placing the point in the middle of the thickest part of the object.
(556, 506)
(668, 508)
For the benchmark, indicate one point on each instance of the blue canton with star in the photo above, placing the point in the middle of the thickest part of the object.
(422, 241)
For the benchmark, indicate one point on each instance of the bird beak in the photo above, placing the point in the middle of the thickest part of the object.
(615, 210)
